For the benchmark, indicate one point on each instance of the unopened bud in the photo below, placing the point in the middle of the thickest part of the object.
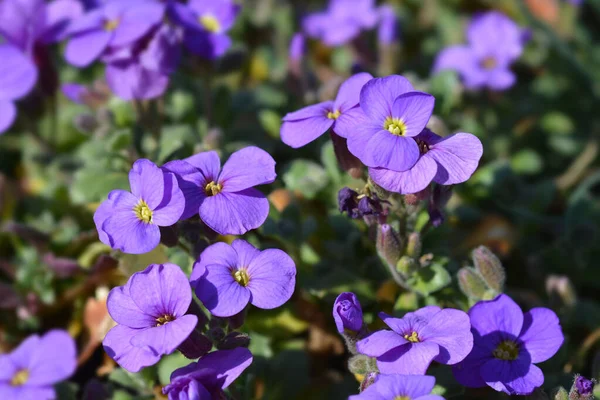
(237, 320)
(368, 380)
(407, 266)
(347, 313)
(378, 190)
(389, 246)
(216, 334)
(582, 389)
(195, 346)
(490, 268)
(361, 364)
(561, 291)
(234, 340)
(414, 245)
(348, 162)
(471, 283)
(559, 394)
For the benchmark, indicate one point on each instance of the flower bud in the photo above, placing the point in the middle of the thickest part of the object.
(561, 291)
(407, 266)
(348, 202)
(361, 364)
(347, 313)
(234, 340)
(490, 268)
(559, 394)
(414, 245)
(368, 380)
(237, 320)
(471, 284)
(389, 246)
(348, 162)
(582, 389)
(216, 334)
(195, 346)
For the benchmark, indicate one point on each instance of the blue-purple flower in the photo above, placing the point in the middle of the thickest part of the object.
(390, 115)
(30, 370)
(494, 43)
(507, 345)
(130, 221)
(399, 387)
(342, 21)
(347, 313)
(226, 198)
(420, 337)
(150, 311)
(206, 378)
(206, 24)
(226, 278)
(388, 30)
(17, 77)
(447, 161)
(305, 125)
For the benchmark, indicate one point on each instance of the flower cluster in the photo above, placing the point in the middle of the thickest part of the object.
(494, 43)
(495, 345)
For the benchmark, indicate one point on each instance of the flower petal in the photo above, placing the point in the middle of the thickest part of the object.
(248, 167)
(346, 124)
(123, 309)
(467, 372)
(117, 345)
(59, 15)
(412, 386)
(406, 182)
(235, 213)
(208, 163)
(457, 156)
(377, 96)
(385, 150)
(7, 368)
(501, 79)
(380, 342)
(451, 330)
(349, 93)
(272, 278)
(220, 293)
(86, 47)
(299, 133)
(130, 235)
(501, 315)
(219, 254)
(171, 208)
(229, 364)
(314, 110)
(24, 353)
(245, 252)
(18, 74)
(414, 109)
(147, 182)
(541, 334)
(459, 58)
(136, 21)
(191, 182)
(8, 113)
(410, 359)
(166, 338)
(518, 377)
(161, 289)
(54, 360)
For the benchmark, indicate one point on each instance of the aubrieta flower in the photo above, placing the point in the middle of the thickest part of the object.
(390, 115)
(30, 370)
(494, 43)
(399, 387)
(226, 278)
(388, 31)
(583, 388)
(226, 198)
(347, 313)
(420, 337)
(507, 345)
(447, 161)
(130, 221)
(17, 77)
(150, 311)
(206, 378)
(307, 124)
(297, 47)
(113, 25)
(207, 23)
(341, 22)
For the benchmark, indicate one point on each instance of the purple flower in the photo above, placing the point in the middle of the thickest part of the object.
(305, 125)
(226, 199)
(388, 31)
(30, 371)
(401, 387)
(206, 23)
(130, 221)
(150, 311)
(583, 386)
(390, 115)
(17, 77)
(420, 337)
(347, 313)
(112, 26)
(507, 344)
(226, 278)
(494, 42)
(297, 47)
(341, 22)
(206, 378)
(446, 161)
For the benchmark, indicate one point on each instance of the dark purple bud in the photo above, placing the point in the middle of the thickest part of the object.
(216, 334)
(237, 320)
(104, 263)
(582, 389)
(347, 202)
(234, 340)
(347, 313)
(196, 310)
(195, 346)
(437, 201)
(348, 162)
(297, 47)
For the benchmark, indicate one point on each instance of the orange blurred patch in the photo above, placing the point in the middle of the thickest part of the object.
(281, 198)
(495, 232)
(546, 10)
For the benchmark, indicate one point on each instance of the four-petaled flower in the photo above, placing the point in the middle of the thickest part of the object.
(226, 278)
(399, 387)
(507, 344)
(420, 337)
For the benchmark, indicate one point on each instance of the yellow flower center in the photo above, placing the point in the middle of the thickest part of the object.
(489, 63)
(111, 25)
(334, 115)
(210, 23)
(401, 398)
(213, 189)
(413, 337)
(241, 276)
(20, 378)
(506, 350)
(395, 126)
(165, 319)
(143, 212)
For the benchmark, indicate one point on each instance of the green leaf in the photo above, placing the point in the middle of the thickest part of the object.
(173, 138)
(93, 184)
(271, 122)
(527, 162)
(430, 279)
(306, 177)
(168, 364)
